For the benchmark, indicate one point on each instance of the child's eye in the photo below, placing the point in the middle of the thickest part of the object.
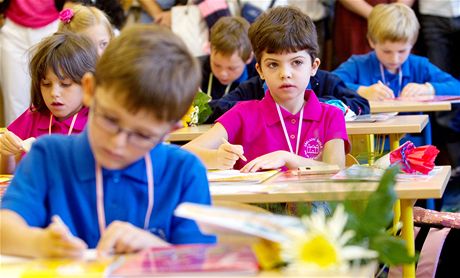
(65, 85)
(298, 62)
(272, 65)
(45, 84)
(103, 44)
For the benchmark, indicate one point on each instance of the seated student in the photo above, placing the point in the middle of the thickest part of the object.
(289, 126)
(116, 185)
(57, 66)
(326, 86)
(89, 21)
(391, 70)
(231, 61)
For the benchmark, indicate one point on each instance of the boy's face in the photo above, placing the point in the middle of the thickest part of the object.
(392, 54)
(117, 137)
(226, 68)
(62, 97)
(287, 74)
(99, 35)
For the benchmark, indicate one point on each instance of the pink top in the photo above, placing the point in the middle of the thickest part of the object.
(32, 13)
(257, 127)
(34, 124)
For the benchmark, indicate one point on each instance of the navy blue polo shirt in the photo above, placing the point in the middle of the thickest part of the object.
(57, 177)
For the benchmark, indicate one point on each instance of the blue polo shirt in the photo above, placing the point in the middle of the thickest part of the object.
(364, 70)
(57, 177)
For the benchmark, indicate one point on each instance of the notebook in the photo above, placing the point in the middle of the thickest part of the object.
(237, 176)
(188, 259)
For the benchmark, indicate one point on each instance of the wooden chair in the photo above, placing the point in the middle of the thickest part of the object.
(350, 160)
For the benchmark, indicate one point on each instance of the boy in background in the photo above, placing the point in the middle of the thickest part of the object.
(114, 186)
(391, 70)
(231, 61)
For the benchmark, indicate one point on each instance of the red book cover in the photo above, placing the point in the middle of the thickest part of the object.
(198, 259)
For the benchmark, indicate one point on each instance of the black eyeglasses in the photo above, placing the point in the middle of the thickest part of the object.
(111, 126)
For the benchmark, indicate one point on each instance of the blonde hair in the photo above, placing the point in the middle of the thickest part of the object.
(392, 22)
(230, 34)
(85, 17)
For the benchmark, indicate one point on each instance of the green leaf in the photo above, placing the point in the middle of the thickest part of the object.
(392, 250)
(202, 101)
(379, 211)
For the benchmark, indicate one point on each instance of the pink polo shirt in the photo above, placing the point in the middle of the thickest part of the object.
(34, 124)
(257, 127)
(32, 13)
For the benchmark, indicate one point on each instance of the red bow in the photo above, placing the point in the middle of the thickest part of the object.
(414, 159)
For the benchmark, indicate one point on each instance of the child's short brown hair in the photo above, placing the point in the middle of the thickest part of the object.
(149, 68)
(67, 54)
(392, 22)
(230, 34)
(283, 29)
(85, 17)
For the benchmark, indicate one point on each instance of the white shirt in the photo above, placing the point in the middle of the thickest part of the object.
(443, 8)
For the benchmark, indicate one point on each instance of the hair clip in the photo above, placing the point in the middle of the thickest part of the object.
(66, 15)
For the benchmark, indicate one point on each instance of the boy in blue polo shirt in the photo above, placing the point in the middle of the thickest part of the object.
(390, 70)
(114, 186)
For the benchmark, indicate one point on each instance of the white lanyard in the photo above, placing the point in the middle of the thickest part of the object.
(71, 124)
(210, 86)
(299, 129)
(100, 194)
(382, 73)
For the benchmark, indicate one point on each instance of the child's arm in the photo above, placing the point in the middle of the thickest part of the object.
(10, 144)
(377, 91)
(333, 153)
(18, 238)
(123, 237)
(213, 152)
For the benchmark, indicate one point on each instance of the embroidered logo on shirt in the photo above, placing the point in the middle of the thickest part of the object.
(312, 148)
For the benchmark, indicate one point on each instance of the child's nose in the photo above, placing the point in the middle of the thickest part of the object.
(56, 90)
(119, 139)
(285, 72)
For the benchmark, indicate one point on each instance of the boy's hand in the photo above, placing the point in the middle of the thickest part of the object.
(10, 143)
(415, 89)
(377, 91)
(271, 160)
(228, 154)
(57, 241)
(123, 237)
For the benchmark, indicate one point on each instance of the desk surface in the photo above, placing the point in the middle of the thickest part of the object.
(330, 190)
(408, 106)
(396, 125)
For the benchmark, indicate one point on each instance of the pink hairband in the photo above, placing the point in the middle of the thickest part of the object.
(66, 15)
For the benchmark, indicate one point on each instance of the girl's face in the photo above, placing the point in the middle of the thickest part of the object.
(63, 97)
(99, 35)
(287, 74)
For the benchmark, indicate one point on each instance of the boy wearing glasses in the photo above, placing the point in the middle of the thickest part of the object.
(114, 186)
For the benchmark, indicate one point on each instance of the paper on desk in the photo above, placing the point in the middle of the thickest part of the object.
(371, 118)
(361, 172)
(237, 176)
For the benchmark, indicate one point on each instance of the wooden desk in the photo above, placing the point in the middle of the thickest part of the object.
(408, 106)
(395, 127)
(297, 191)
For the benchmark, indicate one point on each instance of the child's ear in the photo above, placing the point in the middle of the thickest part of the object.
(88, 82)
(249, 60)
(259, 70)
(315, 66)
(371, 43)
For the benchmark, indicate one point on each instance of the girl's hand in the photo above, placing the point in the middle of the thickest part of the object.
(57, 241)
(415, 89)
(273, 160)
(10, 143)
(228, 154)
(123, 237)
(377, 91)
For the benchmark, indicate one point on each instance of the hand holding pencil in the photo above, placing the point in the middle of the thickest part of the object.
(228, 154)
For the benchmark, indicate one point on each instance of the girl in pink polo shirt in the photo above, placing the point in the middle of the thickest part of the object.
(56, 67)
(289, 127)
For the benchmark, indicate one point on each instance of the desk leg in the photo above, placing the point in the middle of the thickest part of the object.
(394, 141)
(408, 234)
(370, 148)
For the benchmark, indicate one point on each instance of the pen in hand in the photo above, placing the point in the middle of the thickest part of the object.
(241, 156)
